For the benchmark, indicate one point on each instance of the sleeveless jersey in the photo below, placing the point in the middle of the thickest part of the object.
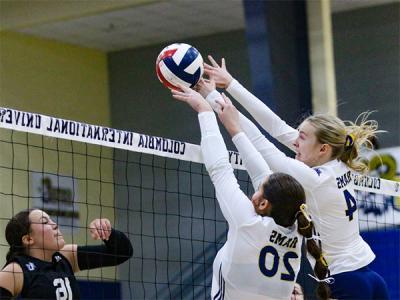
(48, 280)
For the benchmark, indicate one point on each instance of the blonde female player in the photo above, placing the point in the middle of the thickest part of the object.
(41, 266)
(326, 155)
(261, 257)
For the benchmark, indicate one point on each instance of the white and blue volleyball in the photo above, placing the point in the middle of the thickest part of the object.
(179, 64)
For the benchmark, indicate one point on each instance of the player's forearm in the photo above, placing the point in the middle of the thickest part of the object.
(279, 162)
(113, 252)
(254, 163)
(212, 144)
(272, 123)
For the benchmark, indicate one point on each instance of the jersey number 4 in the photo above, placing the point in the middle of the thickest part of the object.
(351, 204)
(63, 291)
(270, 272)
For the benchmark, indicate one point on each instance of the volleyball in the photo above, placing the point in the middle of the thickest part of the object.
(179, 63)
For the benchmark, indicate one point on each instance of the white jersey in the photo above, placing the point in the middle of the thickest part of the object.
(260, 259)
(330, 198)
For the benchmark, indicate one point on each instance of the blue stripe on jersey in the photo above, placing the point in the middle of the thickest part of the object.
(221, 292)
(223, 288)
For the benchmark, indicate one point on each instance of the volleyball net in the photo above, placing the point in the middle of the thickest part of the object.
(154, 189)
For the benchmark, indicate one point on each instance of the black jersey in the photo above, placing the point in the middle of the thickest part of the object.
(48, 280)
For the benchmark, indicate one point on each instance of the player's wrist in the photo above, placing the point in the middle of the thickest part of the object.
(228, 82)
(233, 130)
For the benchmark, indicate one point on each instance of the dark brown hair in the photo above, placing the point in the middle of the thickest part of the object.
(16, 228)
(285, 195)
(287, 198)
(306, 227)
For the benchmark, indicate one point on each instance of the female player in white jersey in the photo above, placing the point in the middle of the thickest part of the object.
(261, 257)
(326, 155)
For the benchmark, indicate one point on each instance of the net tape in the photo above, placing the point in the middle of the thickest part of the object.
(142, 143)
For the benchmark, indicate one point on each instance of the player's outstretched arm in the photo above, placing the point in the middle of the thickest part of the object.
(235, 122)
(254, 163)
(116, 249)
(194, 99)
(235, 205)
(271, 155)
(272, 123)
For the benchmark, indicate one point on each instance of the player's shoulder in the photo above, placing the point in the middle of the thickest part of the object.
(12, 277)
(330, 169)
(13, 267)
(29, 264)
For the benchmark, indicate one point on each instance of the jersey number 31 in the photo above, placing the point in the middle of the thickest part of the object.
(63, 291)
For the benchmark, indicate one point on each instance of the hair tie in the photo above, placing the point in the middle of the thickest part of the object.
(348, 144)
(305, 227)
(323, 260)
(328, 280)
(303, 210)
(313, 237)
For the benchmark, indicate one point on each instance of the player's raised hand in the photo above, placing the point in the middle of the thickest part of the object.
(191, 97)
(218, 73)
(205, 86)
(100, 229)
(229, 116)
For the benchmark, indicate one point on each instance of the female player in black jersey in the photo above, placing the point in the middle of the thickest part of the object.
(41, 266)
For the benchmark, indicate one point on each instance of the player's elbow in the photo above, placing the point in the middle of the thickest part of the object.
(126, 252)
(130, 251)
(219, 166)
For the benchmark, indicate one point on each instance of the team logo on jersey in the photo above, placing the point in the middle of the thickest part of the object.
(30, 266)
(318, 171)
(57, 258)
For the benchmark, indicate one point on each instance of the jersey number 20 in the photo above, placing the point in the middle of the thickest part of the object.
(289, 276)
(63, 291)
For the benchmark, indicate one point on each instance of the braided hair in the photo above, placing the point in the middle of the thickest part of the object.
(287, 198)
(305, 227)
